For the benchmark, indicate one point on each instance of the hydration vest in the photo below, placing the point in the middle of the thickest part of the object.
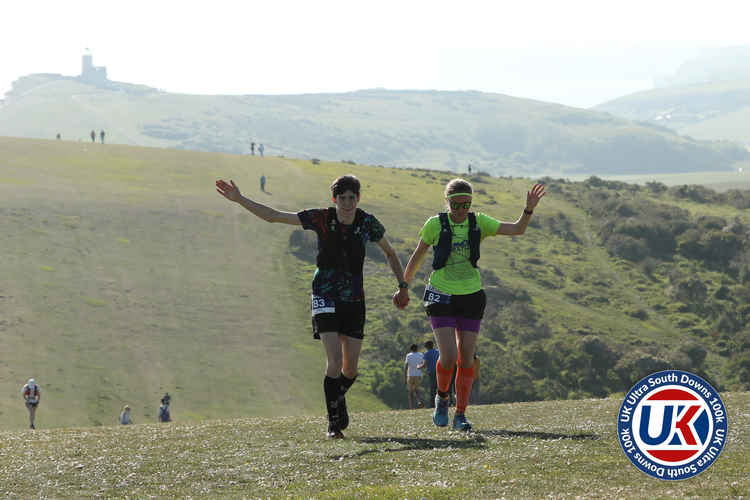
(445, 242)
(30, 393)
(339, 250)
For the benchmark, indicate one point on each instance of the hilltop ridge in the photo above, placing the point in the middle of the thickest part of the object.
(443, 130)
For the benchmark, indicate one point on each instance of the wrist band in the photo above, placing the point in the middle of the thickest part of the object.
(528, 212)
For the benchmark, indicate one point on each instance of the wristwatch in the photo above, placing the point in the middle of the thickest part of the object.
(403, 284)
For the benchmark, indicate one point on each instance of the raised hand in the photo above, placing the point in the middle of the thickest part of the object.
(229, 191)
(533, 196)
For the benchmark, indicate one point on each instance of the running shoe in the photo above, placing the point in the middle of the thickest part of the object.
(343, 414)
(440, 416)
(335, 435)
(460, 423)
(334, 426)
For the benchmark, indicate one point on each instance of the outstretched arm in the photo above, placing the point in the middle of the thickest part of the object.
(519, 227)
(232, 193)
(401, 297)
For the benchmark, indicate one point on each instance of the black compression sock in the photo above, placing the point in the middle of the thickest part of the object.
(346, 383)
(331, 388)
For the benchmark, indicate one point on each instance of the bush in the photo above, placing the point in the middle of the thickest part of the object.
(635, 365)
(388, 384)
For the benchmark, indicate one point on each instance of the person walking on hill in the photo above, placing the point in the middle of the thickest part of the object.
(164, 414)
(101, 135)
(32, 396)
(453, 299)
(430, 360)
(413, 376)
(93, 136)
(338, 298)
(263, 183)
(252, 148)
(261, 149)
(125, 418)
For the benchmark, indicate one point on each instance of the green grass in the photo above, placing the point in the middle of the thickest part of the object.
(558, 449)
(126, 275)
(120, 283)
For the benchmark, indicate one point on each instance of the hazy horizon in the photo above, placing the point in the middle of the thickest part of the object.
(578, 54)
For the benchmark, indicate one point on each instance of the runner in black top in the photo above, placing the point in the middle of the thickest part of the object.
(338, 299)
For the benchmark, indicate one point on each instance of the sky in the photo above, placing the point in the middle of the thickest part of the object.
(579, 53)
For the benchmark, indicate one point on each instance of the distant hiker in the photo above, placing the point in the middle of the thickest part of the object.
(453, 298)
(101, 135)
(338, 298)
(31, 396)
(164, 415)
(93, 136)
(413, 376)
(58, 136)
(252, 148)
(430, 360)
(263, 183)
(474, 397)
(125, 416)
(261, 149)
(469, 168)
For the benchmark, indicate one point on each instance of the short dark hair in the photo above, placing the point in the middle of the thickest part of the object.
(428, 344)
(413, 347)
(345, 183)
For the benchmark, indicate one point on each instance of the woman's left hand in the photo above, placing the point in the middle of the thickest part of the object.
(533, 196)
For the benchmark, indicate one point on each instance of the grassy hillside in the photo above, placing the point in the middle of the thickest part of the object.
(711, 111)
(558, 449)
(427, 129)
(126, 275)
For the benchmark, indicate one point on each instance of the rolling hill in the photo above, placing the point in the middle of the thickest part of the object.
(707, 98)
(712, 111)
(125, 275)
(426, 129)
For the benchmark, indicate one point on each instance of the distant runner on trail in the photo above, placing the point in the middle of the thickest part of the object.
(338, 298)
(32, 396)
(453, 299)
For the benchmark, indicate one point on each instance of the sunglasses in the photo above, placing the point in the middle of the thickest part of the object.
(455, 205)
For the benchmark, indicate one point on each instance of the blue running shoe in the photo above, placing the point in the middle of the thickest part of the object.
(440, 416)
(460, 423)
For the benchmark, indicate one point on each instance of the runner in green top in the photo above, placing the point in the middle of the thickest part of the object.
(454, 299)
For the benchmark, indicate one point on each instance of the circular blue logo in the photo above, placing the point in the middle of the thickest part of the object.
(672, 425)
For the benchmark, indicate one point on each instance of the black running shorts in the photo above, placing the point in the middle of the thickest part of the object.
(469, 306)
(348, 319)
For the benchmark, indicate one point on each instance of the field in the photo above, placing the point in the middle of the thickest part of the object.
(125, 275)
(552, 449)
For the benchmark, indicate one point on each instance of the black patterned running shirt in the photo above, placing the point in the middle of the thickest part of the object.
(342, 281)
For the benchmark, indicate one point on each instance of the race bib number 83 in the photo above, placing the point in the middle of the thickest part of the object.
(321, 305)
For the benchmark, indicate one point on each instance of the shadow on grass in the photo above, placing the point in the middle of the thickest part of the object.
(537, 435)
(409, 444)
